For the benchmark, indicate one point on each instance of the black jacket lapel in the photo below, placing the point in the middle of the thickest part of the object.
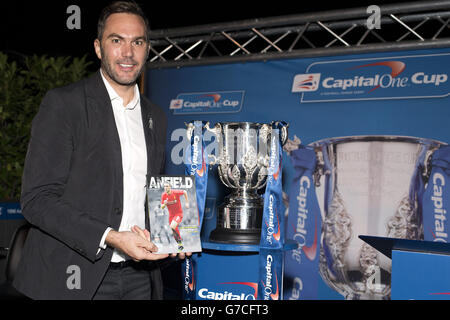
(99, 104)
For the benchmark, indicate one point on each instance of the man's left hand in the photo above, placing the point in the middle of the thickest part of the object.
(144, 233)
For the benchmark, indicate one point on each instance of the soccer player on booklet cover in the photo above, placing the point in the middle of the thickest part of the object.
(171, 199)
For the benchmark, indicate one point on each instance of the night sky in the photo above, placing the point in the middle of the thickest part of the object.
(39, 27)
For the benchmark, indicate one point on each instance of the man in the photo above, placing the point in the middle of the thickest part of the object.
(83, 187)
(171, 199)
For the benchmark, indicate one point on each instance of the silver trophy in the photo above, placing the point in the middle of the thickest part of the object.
(243, 155)
(365, 186)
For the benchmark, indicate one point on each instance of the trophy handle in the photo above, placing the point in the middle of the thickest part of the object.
(319, 170)
(427, 164)
(283, 127)
(189, 129)
(217, 131)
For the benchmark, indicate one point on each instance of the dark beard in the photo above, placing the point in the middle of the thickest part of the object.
(110, 72)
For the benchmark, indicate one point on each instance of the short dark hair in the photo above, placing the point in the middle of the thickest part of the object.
(130, 7)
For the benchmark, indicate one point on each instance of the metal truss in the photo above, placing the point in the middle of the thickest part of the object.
(411, 25)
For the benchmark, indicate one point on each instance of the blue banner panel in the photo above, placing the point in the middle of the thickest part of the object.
(391, 77)
(10, 211)
(230, 276)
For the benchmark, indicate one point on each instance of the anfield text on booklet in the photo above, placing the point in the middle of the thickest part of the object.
(173, 214)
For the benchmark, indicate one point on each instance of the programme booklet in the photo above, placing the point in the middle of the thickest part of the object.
(173, 214)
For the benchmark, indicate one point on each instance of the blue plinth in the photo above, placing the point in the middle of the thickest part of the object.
(289, 245)
(420, 276)
(229, 271)
(420, 269)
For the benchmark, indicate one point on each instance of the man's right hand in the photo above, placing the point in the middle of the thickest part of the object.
(133, 245)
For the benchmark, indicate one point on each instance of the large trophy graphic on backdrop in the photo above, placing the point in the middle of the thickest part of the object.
(367, 185)
(243, 159)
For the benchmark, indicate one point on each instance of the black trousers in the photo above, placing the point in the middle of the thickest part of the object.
(131, 280)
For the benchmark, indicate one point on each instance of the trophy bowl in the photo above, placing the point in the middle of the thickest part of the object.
(366, 185)
(243, 160)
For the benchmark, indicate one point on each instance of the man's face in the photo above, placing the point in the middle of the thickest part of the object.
(167, 188)
(123, 49)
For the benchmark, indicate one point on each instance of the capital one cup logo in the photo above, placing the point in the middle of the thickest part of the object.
(273, 227)
(236, 291)
(439, 233)
(300, 226)
(189, 281)
(207, 102)
(270, 286)
(415, 76)
(273, 231)
(198, 164)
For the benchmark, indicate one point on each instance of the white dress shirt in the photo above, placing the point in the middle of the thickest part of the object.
(134, 163)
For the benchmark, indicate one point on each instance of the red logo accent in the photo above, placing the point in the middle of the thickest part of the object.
(215, 96)
(252, 285)
(397, 67)
(202, 170)
(311, 251)
(440, 293)
(276, 174)
(276, 236)
(192, 282)
(432, 233)
(276, 295)
(307, 84)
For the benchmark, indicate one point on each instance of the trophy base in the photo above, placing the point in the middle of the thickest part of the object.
(239, 219)
(228, 236)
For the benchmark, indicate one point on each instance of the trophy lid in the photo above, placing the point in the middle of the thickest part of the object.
(381, 138)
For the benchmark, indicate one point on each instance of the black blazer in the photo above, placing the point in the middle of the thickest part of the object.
(72, 187)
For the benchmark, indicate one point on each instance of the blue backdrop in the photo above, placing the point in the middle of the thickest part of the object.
(392, 93)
